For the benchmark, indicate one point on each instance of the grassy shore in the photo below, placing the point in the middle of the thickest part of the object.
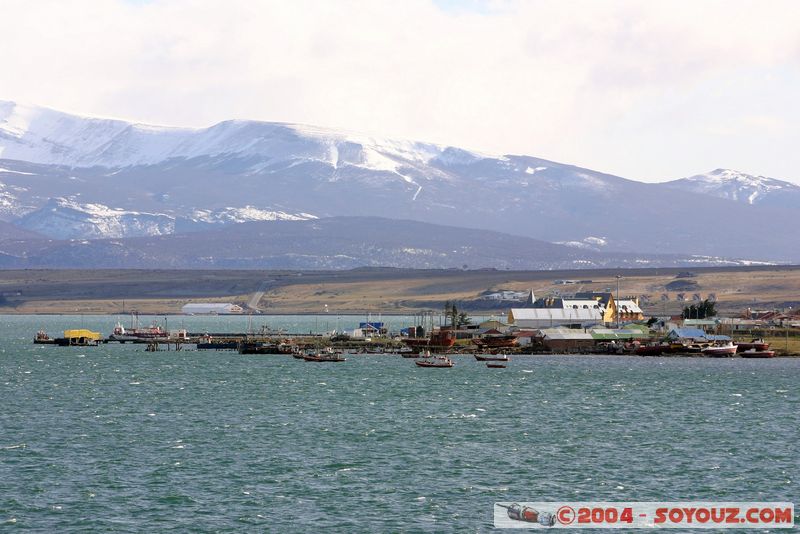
(379, 290)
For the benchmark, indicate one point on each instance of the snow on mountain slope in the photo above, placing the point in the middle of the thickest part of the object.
(735, 185)
(66, 219)
(42, 135)
(194, 176)
(246, 214)
(63, 218)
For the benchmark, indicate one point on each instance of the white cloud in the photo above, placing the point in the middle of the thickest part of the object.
(576, 81)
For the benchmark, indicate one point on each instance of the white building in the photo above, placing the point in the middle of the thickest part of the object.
(211, 308)
(549, 317)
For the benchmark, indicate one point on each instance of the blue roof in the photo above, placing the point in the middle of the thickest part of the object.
(718, 338)
(688, 332)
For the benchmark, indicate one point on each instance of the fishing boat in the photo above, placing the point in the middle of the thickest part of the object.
(436, 361)
(324, 357)
(439, 340)
(719, 351)
(135, 334)
(208, 342)
(492, 358)
(41, 338)
(652, 349)
(260, 347)
(754, 353)
(494, 341)
(492, 365)
(687, 348)
(757, 344)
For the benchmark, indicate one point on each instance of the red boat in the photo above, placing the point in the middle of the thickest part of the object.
(441, 339)
(757, 344)
(655, 349)
(754, 353)
(135, 333)
(438, 361)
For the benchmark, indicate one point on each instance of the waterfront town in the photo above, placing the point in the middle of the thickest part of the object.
(584, 322)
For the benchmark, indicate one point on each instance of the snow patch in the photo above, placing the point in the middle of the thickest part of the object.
(247, 214)
(532, 170)
(9, 171)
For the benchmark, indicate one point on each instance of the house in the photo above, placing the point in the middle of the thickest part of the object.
(566, 340)
(211, 308)
(629, 309)
(694, 334)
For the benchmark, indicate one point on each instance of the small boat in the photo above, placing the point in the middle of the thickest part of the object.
(492, 358)
(325, 358)
(753, 353)
(495, 341)
(207, 342)
(652, 349)
(757, 344)
(719, 351)
(41, 338)
(491, 365)
(258, 347)
(326, 355)
(437, 361)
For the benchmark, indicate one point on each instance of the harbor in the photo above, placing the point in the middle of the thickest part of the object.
(413, 336)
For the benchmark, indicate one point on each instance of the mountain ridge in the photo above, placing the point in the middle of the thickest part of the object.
(318, 172)
(329, 243)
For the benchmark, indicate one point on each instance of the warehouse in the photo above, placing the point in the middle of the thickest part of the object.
(549, 317)
(211, 308)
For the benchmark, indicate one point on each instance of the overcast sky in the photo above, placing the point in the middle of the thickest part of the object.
(649, 90)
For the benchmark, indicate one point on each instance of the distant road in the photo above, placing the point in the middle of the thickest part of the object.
(259, 294)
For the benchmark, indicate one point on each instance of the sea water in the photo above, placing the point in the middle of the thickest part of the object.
(113, 438)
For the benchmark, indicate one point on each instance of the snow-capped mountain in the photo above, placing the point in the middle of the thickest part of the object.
(150, 179)
(740, 187)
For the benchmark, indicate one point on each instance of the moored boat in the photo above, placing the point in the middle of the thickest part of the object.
(492, 358)
(324, 358)
(437, 361)
(324, 355)
(439, 340)
(652, 349)
(753, 353)
(258, 347)
(719, 351)
(41, 338)
(135, 334)
(757, 344)
(494, 341)
(491, 365)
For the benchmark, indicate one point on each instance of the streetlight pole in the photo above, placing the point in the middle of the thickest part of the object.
(616, 303)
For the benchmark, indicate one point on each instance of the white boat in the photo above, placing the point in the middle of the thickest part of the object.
(720, 351)
(436, 361)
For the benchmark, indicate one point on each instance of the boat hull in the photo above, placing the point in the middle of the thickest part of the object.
(492, 358)
(433, 364)
(719, 352)
(757, 354)
(754, 345)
